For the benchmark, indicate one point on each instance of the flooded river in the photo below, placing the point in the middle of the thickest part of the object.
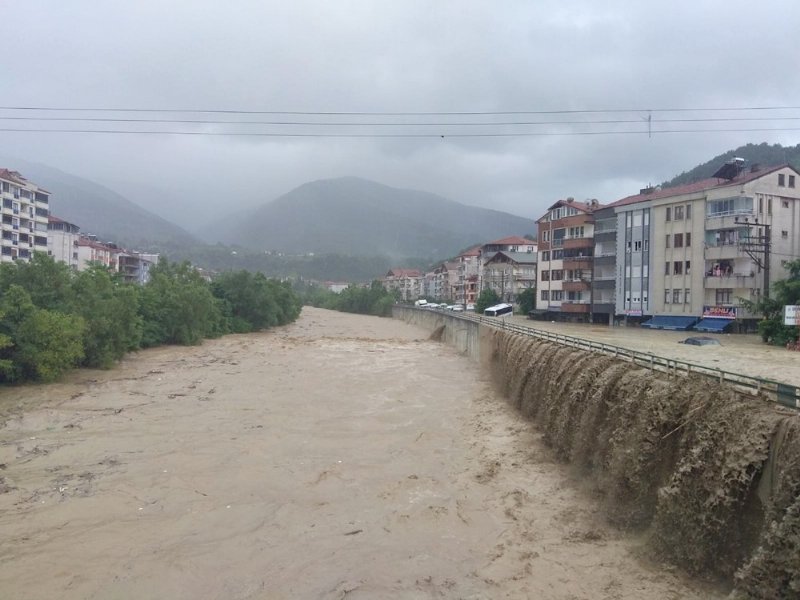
(342, 456)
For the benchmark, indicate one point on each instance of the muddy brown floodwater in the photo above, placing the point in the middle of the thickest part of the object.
(342, 456)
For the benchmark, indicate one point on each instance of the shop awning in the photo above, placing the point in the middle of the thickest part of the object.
(670, 322)
(712, 325)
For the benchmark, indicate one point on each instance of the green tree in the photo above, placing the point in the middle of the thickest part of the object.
(177, 307)
(46, 280)
(488, 297)
(527, 300)
(39, 344)
(110, 309)
(784, 292)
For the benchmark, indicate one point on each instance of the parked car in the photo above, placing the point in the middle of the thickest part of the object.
(457, 308)
(700, 341)
(470, 307)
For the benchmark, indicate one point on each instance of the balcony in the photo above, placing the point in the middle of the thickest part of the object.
(735, 281)
(576, 285)
(727, 220)
(578, 242)
(725, 251)
(575, 306)
(575, 263)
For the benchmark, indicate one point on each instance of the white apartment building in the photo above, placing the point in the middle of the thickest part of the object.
(409, 282)
(62, 238)
(24, 210)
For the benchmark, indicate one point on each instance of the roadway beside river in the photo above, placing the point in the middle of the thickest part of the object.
(744, 354)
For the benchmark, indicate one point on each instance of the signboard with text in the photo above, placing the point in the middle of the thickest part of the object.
(719, 312)
(791, 315)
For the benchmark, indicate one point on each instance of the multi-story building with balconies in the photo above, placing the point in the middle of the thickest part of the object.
(604, 274)
(566, 259)
(466, 287)
(24, 209)
(706, 245)
(62, 241)
(509, 274)
(409, 283)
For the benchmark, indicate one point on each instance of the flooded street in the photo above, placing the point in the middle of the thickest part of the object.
(342, 456)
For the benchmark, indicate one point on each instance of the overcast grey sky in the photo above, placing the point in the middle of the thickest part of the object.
(402, 56)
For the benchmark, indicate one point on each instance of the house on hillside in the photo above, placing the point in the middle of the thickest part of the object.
(566, 255)
(25, 208)
(408, 282)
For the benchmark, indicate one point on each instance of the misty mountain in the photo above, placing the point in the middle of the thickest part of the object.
(99, 210)
(364, 218)
(763, 154)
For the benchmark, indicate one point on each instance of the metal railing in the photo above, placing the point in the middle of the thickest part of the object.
(782, 393)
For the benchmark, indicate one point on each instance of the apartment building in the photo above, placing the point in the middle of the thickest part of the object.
(91, 250)
(510, 273)
(62, 238)
(701, 246)
(565, 259)
(604, 274)
(467, 282)
(508, 244)
(25, 209)
(407, 281)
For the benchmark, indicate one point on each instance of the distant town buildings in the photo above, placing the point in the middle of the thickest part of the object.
(28, 227)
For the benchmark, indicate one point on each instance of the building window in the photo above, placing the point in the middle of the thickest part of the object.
(545, 294)
(667, 296)
(545, 275)
(760, 205)
(769, 206)
(666, 268)
(669, 214)
(688, 269)
(784, 234)
(677, 268)
(687, 296)
(557, 295)
(637, 246)
(679, 213)
(668, 241)
(676, 296)
(688, 211)
(546, 256)
(646, 217)
(628, 246)
(545, 236)
(557, 275)
(781, 180)
(724, 296)
(688, 240)
(791, 180)
(646, 245)
(678, 240)
(785, 204)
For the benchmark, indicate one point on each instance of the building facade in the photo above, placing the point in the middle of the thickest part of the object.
(24, 209)
(508, 274)
(699, 249)
(407, 282)
(565, 265)
(62, 238)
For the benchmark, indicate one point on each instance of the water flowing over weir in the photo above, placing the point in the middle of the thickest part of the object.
(713, 477)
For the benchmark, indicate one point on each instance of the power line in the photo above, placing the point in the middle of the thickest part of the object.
(395, 124)
(397, 114)
(396, 135)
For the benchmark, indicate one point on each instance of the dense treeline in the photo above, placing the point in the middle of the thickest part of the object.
(53, 318)
(372, 300)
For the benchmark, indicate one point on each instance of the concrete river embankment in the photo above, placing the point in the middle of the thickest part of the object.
(712, 476)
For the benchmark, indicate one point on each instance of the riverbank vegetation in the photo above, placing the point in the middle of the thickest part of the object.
(372, 300)
(53, 318)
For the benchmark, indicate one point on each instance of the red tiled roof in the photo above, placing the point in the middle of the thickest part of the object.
(697, 186)
(404, 273)
(17, 178)
(472, 251)
(513, 240)
(96, 245)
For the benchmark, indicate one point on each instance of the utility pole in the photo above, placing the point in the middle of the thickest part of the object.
(757, 248)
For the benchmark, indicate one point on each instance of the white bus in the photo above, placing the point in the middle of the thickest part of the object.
(498, 310)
